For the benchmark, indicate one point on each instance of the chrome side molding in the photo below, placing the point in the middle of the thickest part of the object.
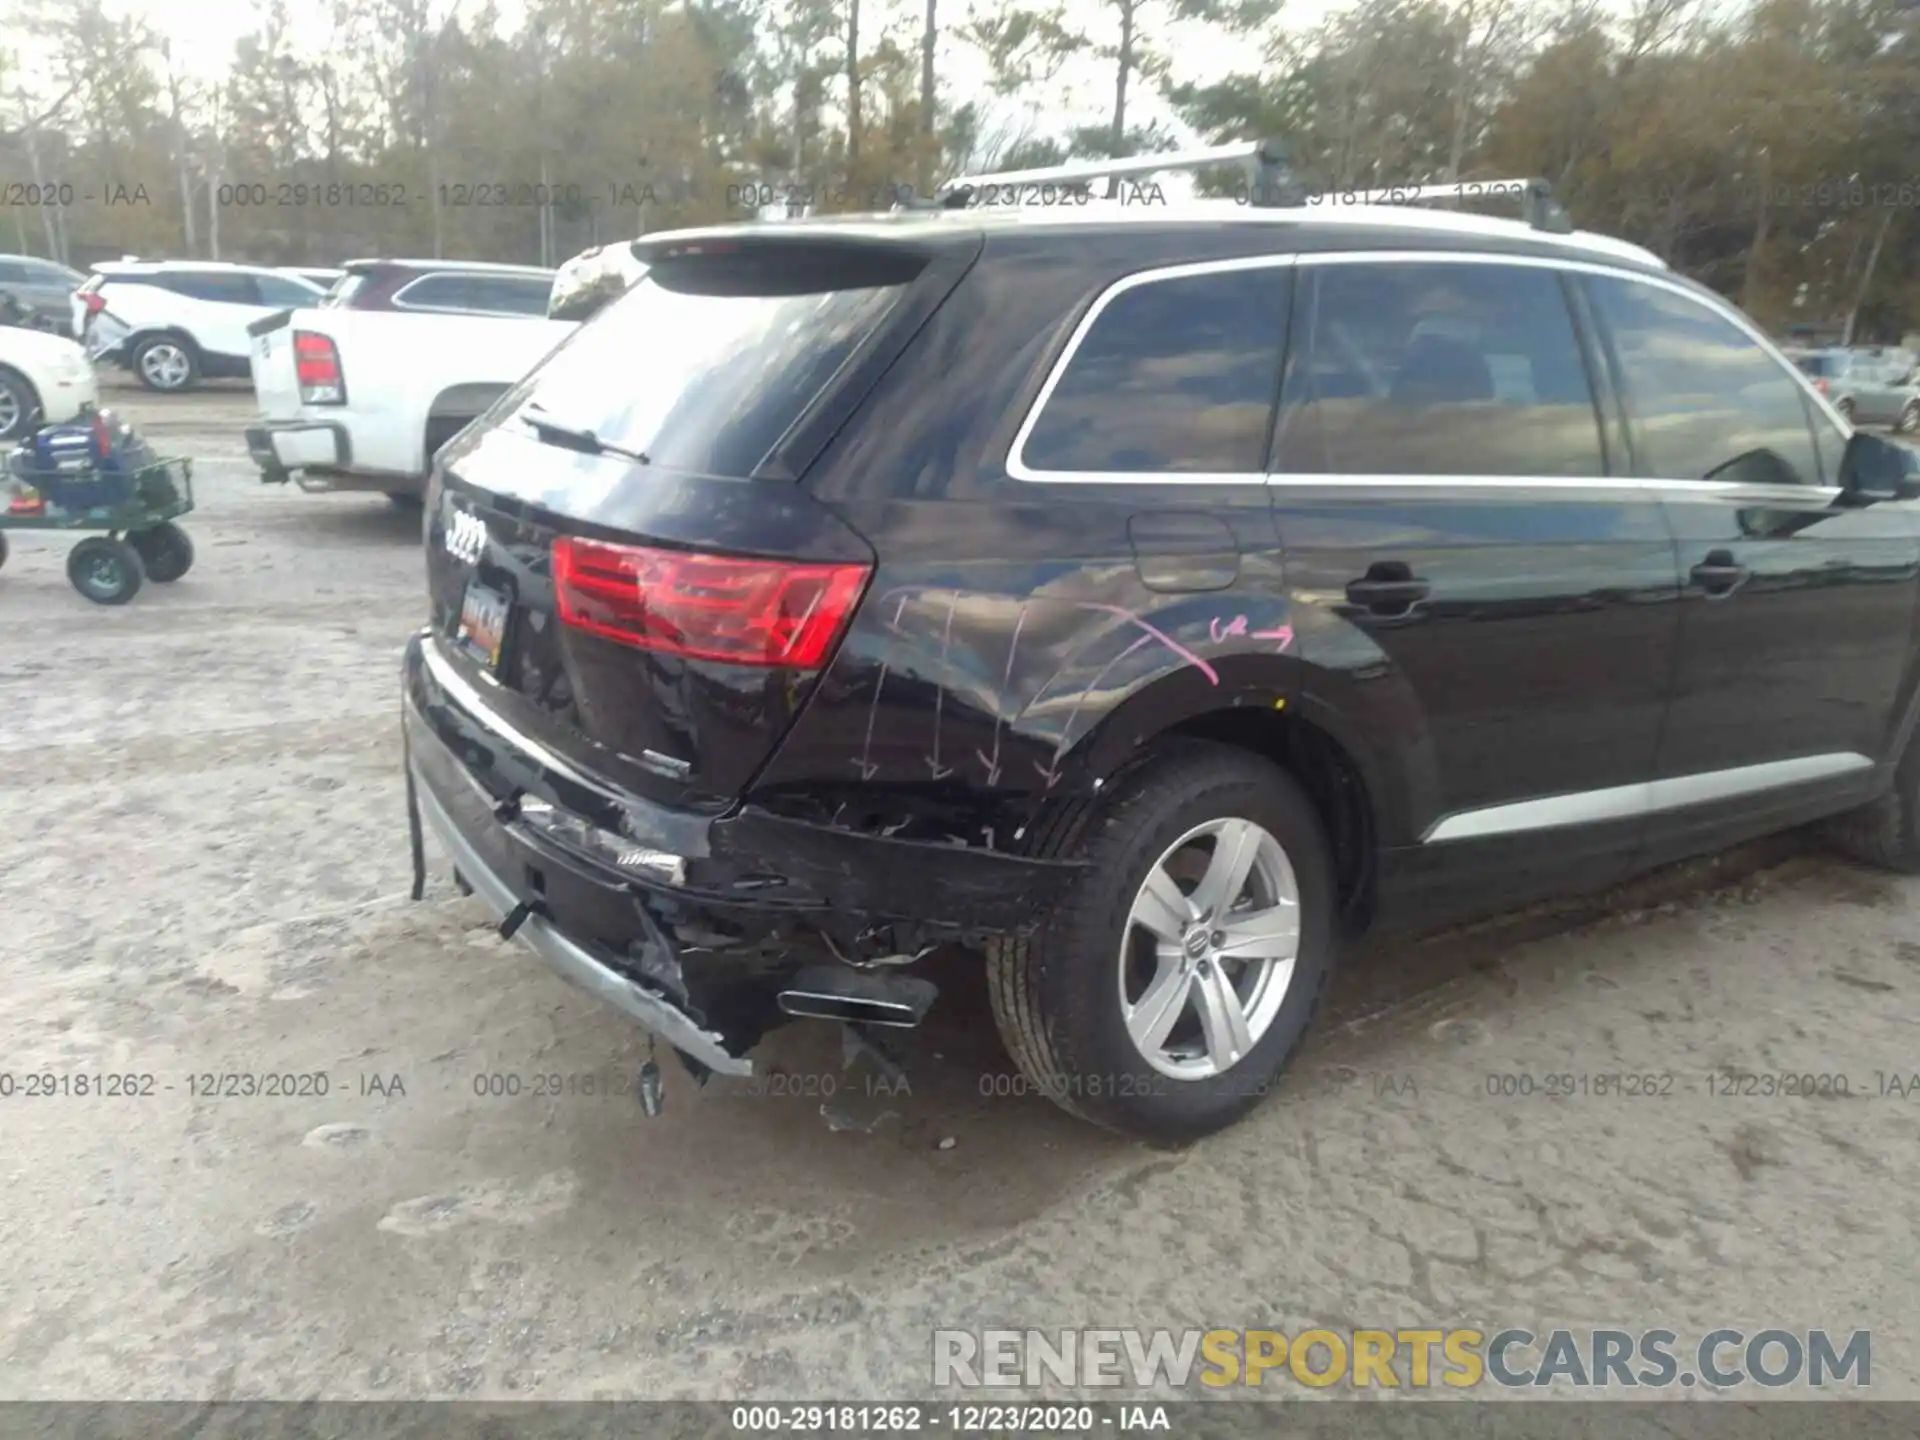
(1650, 797)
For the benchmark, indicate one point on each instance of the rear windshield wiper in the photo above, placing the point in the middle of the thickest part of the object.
(577, 437)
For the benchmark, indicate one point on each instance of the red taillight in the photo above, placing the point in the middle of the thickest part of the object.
(1820, 385)
(316, 362)
(94, 301)
(705, 607)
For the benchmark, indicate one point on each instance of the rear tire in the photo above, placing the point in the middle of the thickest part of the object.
(165, 551)
(1909, 418)
(3, 551)
(1071, 999)
(1885, 833)
(106, 571)
(1845, 407)
(167, 363)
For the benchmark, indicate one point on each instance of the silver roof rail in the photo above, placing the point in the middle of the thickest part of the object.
(1270, 182)
(1537, 205)
(1269, 177)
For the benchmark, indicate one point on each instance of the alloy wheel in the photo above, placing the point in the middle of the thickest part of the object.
(165, 365)
(1209, 949)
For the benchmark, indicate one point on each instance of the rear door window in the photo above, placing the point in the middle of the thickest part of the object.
(1174, 376)
(436, 292)
(707, 362)
(510, 294)
(222, 287)
(1706, 401)
(1409, 368)
(290, 294)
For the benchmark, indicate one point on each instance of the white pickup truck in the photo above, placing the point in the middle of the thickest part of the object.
(364, 399)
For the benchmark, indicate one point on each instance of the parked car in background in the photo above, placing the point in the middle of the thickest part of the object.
(175, 322)
(41, 375)
(584, 285)
(443, 287)
(43, 288)
(362, 399)
(326, 279)
(1866, 388)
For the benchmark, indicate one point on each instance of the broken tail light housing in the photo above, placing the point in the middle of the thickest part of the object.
(316, 362)
(706, 607)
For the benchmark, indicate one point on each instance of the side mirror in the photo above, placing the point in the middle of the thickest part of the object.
(1755, 467)
(1873, 468)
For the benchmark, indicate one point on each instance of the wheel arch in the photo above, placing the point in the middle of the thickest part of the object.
(463, 403)
(1278, 708)
(35, 402)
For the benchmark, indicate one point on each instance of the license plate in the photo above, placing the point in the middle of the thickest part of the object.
(483, 624)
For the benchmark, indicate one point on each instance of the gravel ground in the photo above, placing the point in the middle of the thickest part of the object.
(204, 869)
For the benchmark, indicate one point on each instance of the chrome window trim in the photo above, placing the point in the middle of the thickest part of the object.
(1646, 797)
(1018, 469)
(1789, 496)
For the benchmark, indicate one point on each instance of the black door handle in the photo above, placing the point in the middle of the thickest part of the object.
(1387, 588)
(1720, 573)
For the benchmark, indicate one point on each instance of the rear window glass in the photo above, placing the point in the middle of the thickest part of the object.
(707, 362)
(1821, 365)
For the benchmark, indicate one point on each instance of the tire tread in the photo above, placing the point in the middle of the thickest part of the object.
(1091, 829)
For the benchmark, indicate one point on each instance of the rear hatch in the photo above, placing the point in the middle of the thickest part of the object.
(94, 325)
(622, 562)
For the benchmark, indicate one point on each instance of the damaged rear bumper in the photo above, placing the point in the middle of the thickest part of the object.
(691, 925)
(573, 961)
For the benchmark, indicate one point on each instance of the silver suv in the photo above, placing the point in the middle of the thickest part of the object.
(1867, 388)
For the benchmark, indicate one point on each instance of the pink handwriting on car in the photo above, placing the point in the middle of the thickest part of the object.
(1222, 630)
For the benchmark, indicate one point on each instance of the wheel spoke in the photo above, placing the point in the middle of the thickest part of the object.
(1271, 934)
(1161, 908)
(1222, 1017)
(1152, 1018)
(1234, 847)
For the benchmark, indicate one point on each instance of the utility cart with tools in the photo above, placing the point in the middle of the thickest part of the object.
(96, 474)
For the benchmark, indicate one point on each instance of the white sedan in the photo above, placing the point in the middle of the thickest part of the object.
(39, 372)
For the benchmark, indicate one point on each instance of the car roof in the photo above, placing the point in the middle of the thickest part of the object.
(150, 267)
(357, 267)
(1102, 215)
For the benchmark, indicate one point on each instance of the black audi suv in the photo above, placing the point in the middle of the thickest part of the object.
(1147, 600)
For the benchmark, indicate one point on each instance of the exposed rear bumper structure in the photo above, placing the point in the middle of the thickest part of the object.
(575, 962)
(707, 931)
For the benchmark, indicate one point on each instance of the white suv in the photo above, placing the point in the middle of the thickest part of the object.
(173, 322)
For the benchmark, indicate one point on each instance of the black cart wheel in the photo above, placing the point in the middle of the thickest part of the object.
(107, 572)
(165, 551)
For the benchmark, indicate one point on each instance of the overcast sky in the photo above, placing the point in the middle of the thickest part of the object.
(204, 33)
